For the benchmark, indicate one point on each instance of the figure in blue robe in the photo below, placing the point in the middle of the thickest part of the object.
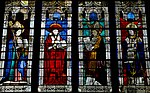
(133, 58)
(16, 57)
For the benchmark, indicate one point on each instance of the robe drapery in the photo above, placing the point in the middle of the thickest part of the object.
(95, 61)
(54, 64)
(139, 63)
(133, 65)
(15, 66)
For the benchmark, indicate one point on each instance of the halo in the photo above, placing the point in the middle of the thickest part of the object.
(131, 25)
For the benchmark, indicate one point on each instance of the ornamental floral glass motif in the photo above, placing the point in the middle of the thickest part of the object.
(17, 46)
(55, 51)
(132, 44)
(94, 47)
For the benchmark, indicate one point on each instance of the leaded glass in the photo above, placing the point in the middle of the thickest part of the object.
(55, 47)
(132, 45)
(94, 47)
(17, 46)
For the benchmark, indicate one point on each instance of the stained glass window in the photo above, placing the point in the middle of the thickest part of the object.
(17, 46)
(55, 47)
(132, 44)
(94, 47)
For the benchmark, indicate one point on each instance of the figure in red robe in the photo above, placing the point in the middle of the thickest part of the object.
(54, 56)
